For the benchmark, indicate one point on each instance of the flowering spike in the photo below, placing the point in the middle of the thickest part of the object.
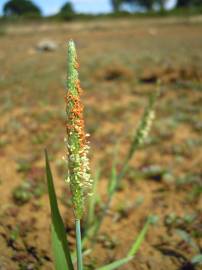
(144, 125)
(76, 143)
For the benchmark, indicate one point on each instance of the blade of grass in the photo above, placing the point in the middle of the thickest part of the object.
(59, 256)
(112, 182)
(116, 264)
(93, 230)
(135, 247)
(59, 241)
(151, 220)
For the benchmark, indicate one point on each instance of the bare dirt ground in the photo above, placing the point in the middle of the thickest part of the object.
(121, 62)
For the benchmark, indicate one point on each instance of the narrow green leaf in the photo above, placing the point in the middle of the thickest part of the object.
(60, 259)
(135, 247)
(112, 181)
(116, 264)
(139, 239)
(112, 184)
(59, 241)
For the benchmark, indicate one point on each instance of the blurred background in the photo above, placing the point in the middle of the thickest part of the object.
(67, 10)
(127, 50)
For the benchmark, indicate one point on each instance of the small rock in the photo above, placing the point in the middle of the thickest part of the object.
(47, 46)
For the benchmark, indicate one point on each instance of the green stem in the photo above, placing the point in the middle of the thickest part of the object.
(97, 226)
(79, 246)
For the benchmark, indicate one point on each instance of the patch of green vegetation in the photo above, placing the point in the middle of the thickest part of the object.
(187, 179)
(27, 190)
(91, 265)
(192, 181)
(23, 165)
(109, 242)
(158, 173)
(170, 219)
(189, 218)
(175, 220)
(186, 237)
(39, 138)
(193, 142)
(15, 233)
(195, 193)
(197, 86)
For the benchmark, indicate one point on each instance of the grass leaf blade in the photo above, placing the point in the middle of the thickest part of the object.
(116, 264)
(59, 241)
(60, 259)
(112, 184)
(135, 247)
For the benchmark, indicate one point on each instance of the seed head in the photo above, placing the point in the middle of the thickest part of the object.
(76, 142)
(144, 125)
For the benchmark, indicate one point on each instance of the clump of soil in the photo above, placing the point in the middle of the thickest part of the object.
(170, 74)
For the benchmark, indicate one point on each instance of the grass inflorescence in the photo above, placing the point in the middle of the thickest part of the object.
(76, 143)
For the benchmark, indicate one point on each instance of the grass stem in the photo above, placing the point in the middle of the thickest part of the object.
(79, 245)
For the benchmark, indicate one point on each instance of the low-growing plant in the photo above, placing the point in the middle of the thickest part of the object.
(27, 190)
(83, 188)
